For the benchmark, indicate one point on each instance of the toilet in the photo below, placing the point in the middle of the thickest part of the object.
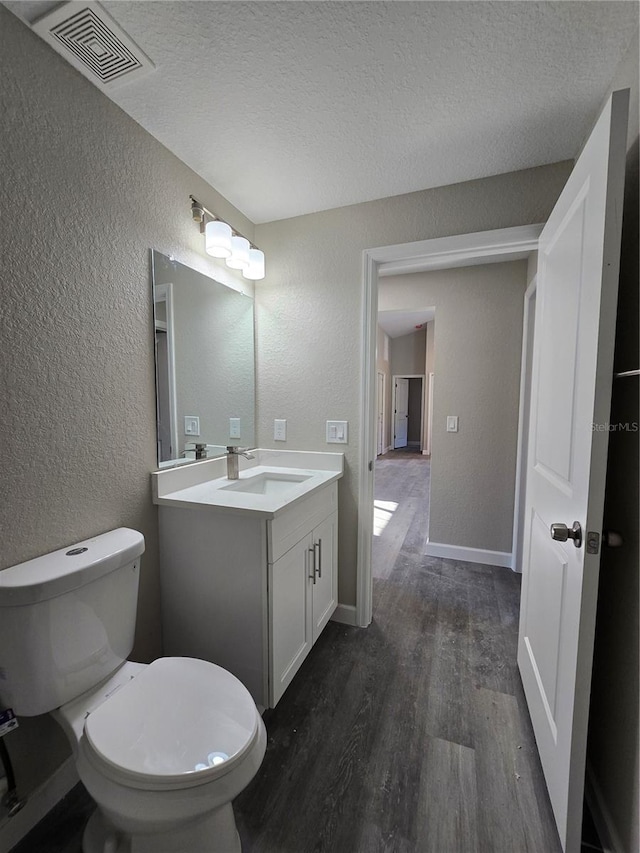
(162, 748)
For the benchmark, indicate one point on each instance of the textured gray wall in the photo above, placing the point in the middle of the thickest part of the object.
(408, 353)
(84, 194)
(477, 377)
(313, 294)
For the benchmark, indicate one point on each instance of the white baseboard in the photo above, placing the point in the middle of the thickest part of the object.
(469, 555)
(40, 802)
(601, 815)
(345, 614)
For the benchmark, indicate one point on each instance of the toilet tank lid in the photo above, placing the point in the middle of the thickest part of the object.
(69, 568)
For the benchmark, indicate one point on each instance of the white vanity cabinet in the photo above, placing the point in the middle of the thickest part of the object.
(249, 593)
(302, 584)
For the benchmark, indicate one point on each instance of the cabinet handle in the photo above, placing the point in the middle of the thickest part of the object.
(312, 551)
(319, 546)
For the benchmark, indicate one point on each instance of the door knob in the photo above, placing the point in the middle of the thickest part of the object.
(560, 532)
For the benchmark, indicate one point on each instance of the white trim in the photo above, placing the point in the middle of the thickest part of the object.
(429, 431)
(39, 804)
(460, 250)
(368, 441)
(523, 428)
(381, 373)
(601, 815)
(345, 614)
(442, 253)
(469, 555)
(164, 293)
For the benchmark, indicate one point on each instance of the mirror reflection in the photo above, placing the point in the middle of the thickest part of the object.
(205, 378)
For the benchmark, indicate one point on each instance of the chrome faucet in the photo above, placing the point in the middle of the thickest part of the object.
(232, 460)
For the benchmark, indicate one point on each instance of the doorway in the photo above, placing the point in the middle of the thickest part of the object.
(440, 253)
(408, 412)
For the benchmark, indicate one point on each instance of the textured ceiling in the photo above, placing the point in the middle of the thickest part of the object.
(398, 323)
(292, 107)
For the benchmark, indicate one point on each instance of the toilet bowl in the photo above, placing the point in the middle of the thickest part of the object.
(162, 748)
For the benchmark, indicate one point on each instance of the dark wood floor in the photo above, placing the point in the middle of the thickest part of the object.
(410, 736)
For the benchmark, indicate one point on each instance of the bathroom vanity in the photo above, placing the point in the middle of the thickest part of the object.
(249, 566)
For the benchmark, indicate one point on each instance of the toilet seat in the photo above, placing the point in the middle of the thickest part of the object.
(181, 722)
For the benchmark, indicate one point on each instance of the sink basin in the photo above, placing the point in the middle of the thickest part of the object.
(267, 483)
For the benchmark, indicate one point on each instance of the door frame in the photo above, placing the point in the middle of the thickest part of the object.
(429, 424)
(381, 409)
(393, 400)
(482, 247)
(164, 293)
(528, 332)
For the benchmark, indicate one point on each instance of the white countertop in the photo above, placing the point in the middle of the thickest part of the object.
(204, 484)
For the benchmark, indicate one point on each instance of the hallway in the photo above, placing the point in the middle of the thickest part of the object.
(410, 736)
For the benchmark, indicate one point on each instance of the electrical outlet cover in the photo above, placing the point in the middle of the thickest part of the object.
(191, 425)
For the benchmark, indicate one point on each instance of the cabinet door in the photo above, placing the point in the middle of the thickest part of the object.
(325, 588)
(290, 615)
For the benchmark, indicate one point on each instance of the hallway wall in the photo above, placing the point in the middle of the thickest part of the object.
(408, 353)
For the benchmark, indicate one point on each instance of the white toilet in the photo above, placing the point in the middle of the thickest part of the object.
(162, 748)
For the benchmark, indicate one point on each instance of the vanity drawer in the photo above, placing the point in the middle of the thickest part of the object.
(297, 521)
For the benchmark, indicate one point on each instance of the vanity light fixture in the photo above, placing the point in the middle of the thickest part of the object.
(255, 270)
(217, 239)
(223, 241)
(239, 259)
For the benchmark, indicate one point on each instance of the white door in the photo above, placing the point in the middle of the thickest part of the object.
(401, 413)
(380, 409)
(571, 394)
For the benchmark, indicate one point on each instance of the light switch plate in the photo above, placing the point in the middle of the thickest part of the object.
(337, 432)
(280, 429)
(452, 423)
(191, 425)
(234, 427)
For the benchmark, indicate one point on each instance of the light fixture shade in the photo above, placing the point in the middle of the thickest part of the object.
(239, 259)
(255, 270)
(217, 239)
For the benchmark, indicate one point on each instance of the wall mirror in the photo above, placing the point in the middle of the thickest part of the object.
(205, 376)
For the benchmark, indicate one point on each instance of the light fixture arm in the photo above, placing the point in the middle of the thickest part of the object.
(196, 207)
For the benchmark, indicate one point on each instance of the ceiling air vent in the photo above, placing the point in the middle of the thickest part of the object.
(88, 37)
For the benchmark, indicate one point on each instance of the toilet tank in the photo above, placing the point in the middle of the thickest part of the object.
(67, 620)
